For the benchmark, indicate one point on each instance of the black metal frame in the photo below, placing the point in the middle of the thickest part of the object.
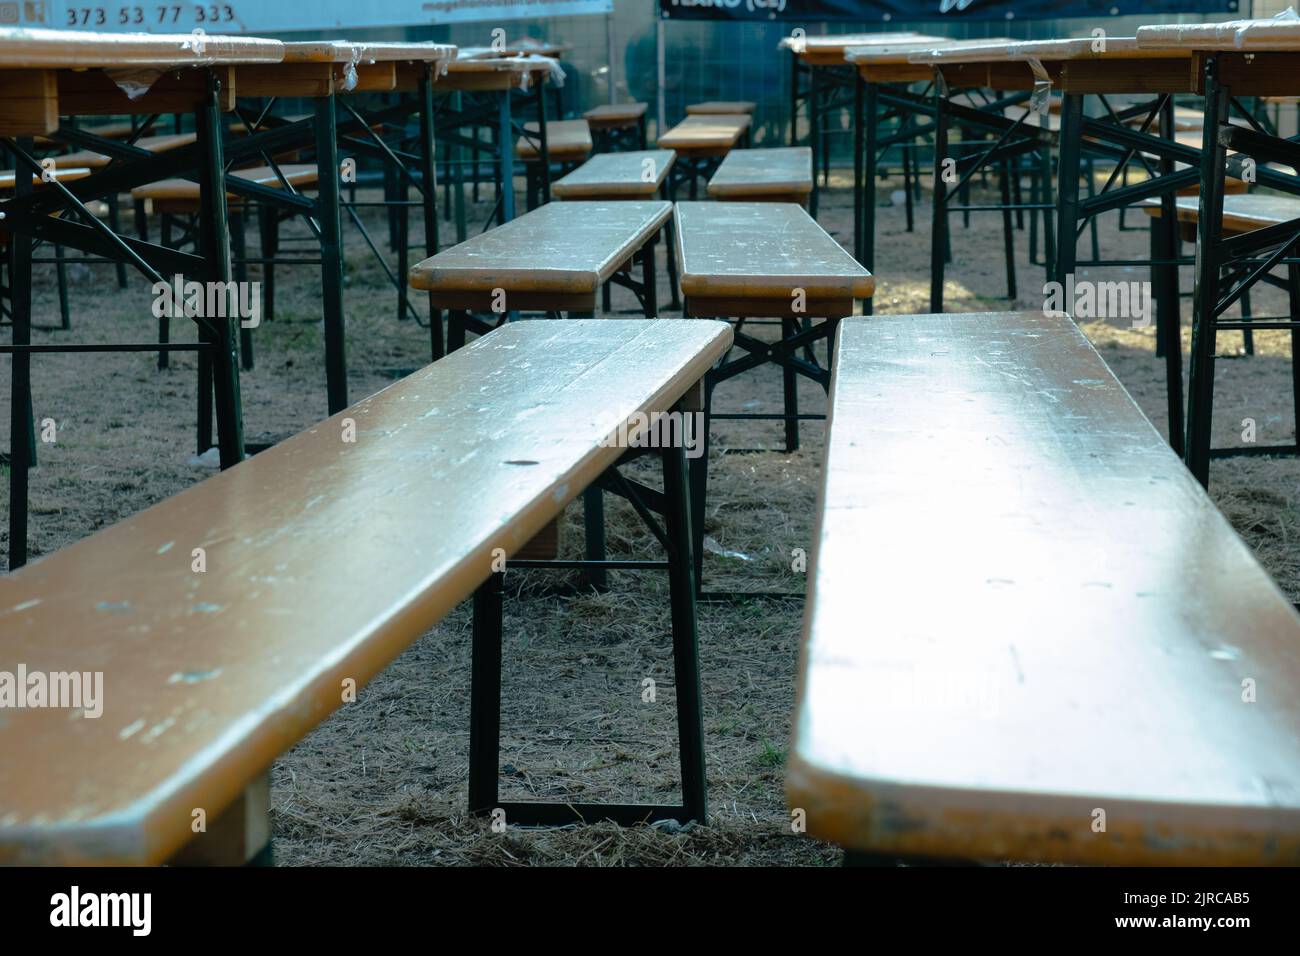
(485, 688)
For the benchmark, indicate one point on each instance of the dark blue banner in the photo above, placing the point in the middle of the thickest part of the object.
(903, 11)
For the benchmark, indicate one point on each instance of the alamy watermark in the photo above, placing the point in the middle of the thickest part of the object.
(59, 690)
(211, 300)
(1085, 299)
(660, 430)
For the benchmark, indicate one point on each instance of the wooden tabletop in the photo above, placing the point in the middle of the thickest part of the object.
(828, 50)
(706, 132)
(988, 661)
(722, 107)
(342, 51)
(565, 140)
(297, 174)
(208, 677)
(766, 250)
(1245, 35)
(1241, 213)
(891, 53)
(561, 247)
(1086, 48)
(633, 174)
(21, 47)
(748, 172)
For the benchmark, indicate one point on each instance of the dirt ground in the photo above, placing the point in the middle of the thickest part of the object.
(383, 781)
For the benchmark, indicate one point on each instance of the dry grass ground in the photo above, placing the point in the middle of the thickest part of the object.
(383, 781)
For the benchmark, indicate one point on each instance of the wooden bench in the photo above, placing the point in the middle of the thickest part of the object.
(617, 125)
(701, 141)
(553, 259)
(759, 263)
(722, 108)
(783, 174)
(325, 559)
(181, 196)
(1048, 659)
(638, 174)
(568, 143)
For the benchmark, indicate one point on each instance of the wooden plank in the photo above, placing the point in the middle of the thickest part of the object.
(636, 174)
(762, 252)
(155, 144)
(722, 108)
(1066, 628)
(829, 49)
(615, 115)
(1251, 74)
(566, 141)
(209, 676)
(94, 92)
(753, 174)
(29, 102)
(1241, 213)
(8, 177)
(27, 48)
(298, 174)
(343, 51)
(706, 133)
(1250, 35)
(560, 249)
(286, 79)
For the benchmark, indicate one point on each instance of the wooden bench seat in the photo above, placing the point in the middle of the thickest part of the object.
(615, 115)
(554, 258)
(745, 260)
(722, 108)
(617, 176)
(1241, 213)
(783, 174)
(177, 195)
(9, 177)
(1070, 629)
(704, 136)
(325, 559)
(567, 141)
(155, 144)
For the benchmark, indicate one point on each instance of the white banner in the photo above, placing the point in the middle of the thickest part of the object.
(278, 16)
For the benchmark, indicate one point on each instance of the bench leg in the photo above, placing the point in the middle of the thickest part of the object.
(239, 836)
(648, 278)
(790, 382)
(485, 688)
(61, 276)
(593, 521)
(269, 224)
(240, 267)
(331, 253)
(429, 195)
(700, 484)
(22, 443)
(939, 229)
(164, 323)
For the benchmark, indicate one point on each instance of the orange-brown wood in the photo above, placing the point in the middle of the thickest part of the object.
(8, 177)
(1241, 213)
(173, 190)
(615, 115)
(96, 93)
(706, 134)
(29, 102)
(325, 557)
(1070, 629)
(155, 144)
(28, 48)
(722, 108)
(829, 49)
(566, 141)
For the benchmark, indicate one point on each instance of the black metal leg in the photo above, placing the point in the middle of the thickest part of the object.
(790, 382)
(1200, 387)
(429, 195)
(593, 522)
(1071, 144)
(939, 229)
(215, 248)
(164, 322)
(485, 695)
(1008, 235)
(858, 147)
(1293, 291)
(61, 277)
(240, 269)
(686, 663)
(699, 475)
(455, 329)
(649, 279)
(114, 223)
(331, 253)
(670, 255)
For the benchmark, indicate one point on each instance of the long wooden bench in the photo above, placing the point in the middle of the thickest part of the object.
(553, 259)
(326, 556)
(637, 174)
(1063, 655)
(722, 108)
(772, 263)
(784, 174)
(568, 144)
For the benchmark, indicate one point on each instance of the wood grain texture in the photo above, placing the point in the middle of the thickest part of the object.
(559, 248)
(762, 250)
(566, 140)
(1022, 608)
(325, 559)
(155, 144)
(298, 174)
(617, 176)
(751, 173)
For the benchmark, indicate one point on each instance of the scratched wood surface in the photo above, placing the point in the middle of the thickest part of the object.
(633, 174)
(1022, 608)
(561, 248)
(750, 173)
(752, 249)
(325, 559)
